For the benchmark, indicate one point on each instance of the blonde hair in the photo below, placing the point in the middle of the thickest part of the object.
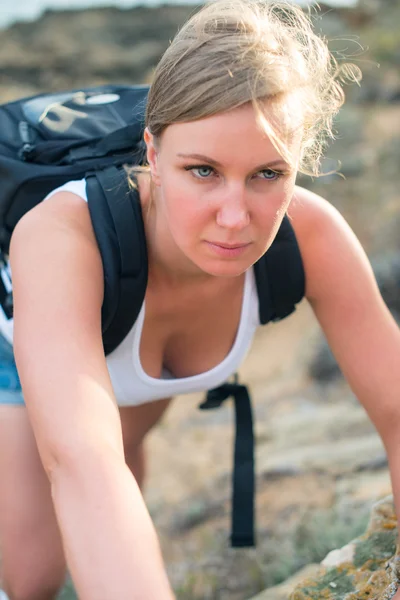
(236, 51)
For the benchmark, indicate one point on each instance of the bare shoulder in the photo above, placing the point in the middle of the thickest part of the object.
(59, 226)
(55, 262)
(332, 255)
(64, 211)
(309, 211)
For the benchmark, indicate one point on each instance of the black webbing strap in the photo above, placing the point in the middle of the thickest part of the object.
(243, 487)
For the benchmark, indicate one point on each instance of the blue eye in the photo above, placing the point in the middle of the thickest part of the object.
(268, 174)
(201, 171)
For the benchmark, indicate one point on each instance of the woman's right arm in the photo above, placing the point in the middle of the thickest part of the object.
(110, 543)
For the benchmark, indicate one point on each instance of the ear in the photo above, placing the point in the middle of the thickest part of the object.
(152, 155)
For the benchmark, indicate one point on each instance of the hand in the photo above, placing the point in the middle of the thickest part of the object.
(397, 595)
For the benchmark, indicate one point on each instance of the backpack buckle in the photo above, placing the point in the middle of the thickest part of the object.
(25, 153)
(217, 396)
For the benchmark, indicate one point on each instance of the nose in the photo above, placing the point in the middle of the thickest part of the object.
(233, 210)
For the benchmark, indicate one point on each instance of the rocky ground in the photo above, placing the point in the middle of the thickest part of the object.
(320, 465)
(367, 568)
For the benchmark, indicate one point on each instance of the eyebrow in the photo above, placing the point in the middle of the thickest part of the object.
(215, 163)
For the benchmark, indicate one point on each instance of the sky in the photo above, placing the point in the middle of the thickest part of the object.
(18, 10)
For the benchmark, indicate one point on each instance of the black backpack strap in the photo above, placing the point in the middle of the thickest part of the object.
(280, 276)
(117, 221)
(243, 471)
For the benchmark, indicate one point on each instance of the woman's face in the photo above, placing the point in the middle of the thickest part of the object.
(221, 191)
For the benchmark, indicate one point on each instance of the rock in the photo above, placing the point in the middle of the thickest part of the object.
(387, 273)
(337, 557)
(368, 568)
(323, 367)
(349, 455)
(74, 48)
(282, 591)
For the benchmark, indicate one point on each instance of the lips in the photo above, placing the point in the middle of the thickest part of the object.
(225, 250)
(229, 246)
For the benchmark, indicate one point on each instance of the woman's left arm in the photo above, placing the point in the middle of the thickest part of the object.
(361, 332)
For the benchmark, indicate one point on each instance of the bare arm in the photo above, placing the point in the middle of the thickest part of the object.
(110, 544)
(360, 330)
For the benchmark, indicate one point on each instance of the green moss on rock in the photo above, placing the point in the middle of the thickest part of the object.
(333, 585)
(377, 547)
(373, 574)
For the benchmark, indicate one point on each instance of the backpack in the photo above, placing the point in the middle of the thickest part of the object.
(49, 139)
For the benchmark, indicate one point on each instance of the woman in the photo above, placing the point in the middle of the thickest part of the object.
(240, 102)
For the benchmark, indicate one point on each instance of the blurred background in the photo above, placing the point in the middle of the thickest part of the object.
(320, 465)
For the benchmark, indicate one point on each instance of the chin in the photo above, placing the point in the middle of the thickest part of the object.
(226, 269)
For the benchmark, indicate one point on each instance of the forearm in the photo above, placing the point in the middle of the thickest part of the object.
(110, 543)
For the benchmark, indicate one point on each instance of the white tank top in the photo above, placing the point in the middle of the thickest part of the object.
(132, 386)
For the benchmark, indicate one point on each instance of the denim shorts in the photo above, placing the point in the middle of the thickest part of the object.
(10, 385)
